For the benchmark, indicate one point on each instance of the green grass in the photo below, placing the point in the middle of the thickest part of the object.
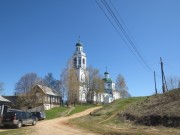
(104, 117)
(106, 121)
(21, 131)
(56, 112)
(121, 104)
(80, 108)
(62, 111)
(10, 132)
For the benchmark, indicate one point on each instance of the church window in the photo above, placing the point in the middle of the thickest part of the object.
(79, 61)
(83, 61)
(109, 86)
(75, 62)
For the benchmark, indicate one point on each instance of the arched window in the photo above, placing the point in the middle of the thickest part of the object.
(75, 62)
(109, 86)
(79, 61)
(83, 61)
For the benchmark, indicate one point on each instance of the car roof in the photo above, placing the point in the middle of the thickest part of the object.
(10, 110)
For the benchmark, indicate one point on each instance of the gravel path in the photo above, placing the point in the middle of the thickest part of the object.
(60, 126)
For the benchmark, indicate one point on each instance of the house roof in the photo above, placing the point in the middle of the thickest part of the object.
(4, 99)
(48, 90)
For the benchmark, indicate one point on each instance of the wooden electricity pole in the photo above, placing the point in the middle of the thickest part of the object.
(164, 85)
(155, 82)
(162, 74)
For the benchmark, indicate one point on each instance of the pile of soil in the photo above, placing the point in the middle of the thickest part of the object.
(161, 109)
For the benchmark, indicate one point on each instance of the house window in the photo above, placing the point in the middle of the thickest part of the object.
(52, 99)
(45, 98)
(55, 100)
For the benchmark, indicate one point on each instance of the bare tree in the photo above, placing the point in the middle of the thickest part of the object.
(73, 86)
(121, 86)
(173, 82)
(23, 89)
(51, 82)
(1, 87)
(70, 84)
(94, 84)
(63, 83)
(99, 88)
(26, 82)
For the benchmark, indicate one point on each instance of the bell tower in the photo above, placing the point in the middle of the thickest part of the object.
(80, 64)
(79, 58)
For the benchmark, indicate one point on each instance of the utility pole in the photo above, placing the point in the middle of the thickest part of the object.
(165, 84)
(155, 82)
(163, 78)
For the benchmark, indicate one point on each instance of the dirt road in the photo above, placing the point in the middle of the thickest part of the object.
(60, 126)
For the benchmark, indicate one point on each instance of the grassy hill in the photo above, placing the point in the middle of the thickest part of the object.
(161, 109)
(129, 116)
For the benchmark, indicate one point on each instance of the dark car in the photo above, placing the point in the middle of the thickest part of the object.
(39, 115)
(18, 118)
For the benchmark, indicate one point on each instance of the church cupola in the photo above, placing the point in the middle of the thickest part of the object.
(79, 59)
(79, 47)
(106, 74)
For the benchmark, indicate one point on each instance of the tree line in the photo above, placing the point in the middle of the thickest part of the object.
(67, 85)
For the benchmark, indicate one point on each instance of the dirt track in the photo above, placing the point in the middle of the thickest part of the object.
(60, 126)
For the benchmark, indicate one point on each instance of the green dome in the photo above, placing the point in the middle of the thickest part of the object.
(79, 44)
(107, 80)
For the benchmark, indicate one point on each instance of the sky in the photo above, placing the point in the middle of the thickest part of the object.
(40, 36)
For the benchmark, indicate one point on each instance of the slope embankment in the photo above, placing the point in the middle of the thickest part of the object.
(161, 109)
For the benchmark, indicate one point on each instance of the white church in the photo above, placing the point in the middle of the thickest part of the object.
(80, 64)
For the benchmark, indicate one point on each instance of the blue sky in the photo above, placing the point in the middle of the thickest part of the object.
(40, 36)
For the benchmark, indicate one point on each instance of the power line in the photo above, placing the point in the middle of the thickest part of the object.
(114, 26)
(126, 43)
(122, 30)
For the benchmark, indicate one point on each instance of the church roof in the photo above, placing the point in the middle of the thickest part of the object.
(79, 44)
(107, 80)
(106, 72)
